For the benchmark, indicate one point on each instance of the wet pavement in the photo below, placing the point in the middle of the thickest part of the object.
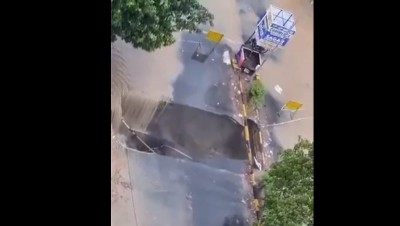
(209, 188)
(205, 85)
(168, 188)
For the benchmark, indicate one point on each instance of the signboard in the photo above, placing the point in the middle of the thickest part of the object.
(279, 33)
(262, 28)
(214, 36)
(276, 35)
(275, 39)
(282, 29)
(293, 105)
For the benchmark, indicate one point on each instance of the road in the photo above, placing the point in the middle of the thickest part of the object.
(171, 74)
(207, 189)
(214, 179)
(180, 192)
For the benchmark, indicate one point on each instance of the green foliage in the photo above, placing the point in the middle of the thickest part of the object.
(257, 93)
(289, 188)
(149, 24)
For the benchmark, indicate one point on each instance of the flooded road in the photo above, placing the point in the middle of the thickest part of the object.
(168, 188)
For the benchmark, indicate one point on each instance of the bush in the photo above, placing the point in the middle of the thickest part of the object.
(257, 93)
(289, 188)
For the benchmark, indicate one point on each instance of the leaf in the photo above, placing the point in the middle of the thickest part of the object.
(289, 187)
(149, 24)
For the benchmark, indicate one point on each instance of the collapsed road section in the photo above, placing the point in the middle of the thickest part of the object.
(194, 173)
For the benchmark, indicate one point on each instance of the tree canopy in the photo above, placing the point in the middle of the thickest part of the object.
(149, 24)
(289, 188)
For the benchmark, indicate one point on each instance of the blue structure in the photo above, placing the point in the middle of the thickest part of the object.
(275, 28)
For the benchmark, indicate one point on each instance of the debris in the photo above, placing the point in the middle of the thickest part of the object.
(257, 164)
(217, 103)
(188, 197)
(223, 83)
(212, 59)
(240, 115)
(232, 84)
(225, 57)
(238, 92)
(126, 185)
(244, 202)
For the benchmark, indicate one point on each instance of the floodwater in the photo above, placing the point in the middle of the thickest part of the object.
(209, 187)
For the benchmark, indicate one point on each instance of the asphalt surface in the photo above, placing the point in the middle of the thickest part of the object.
(204, 85)
(208, 189)
(168, 188)
(206, 137)
(179, 192)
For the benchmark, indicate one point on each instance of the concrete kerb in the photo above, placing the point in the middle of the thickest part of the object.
(255, 203)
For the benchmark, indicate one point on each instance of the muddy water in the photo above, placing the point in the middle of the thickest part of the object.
(136, 73)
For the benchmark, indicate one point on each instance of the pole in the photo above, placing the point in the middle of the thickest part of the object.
(212, 50)
(251, 36)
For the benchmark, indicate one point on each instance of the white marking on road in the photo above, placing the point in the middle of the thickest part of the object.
(226, 58)
(278, 89)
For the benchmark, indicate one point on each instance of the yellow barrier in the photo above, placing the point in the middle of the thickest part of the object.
(244, 110)
(256, 205)
(246, 133)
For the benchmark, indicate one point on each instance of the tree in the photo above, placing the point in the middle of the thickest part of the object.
(289, 188)
(257, 93)
(149, 24)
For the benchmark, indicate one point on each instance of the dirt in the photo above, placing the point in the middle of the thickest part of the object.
(122, 207)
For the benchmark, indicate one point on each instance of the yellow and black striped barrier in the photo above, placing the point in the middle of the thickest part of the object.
(255, 202)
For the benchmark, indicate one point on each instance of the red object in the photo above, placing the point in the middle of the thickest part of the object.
(241, 57)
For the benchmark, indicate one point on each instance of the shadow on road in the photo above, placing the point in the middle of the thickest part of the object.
(235, 220)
